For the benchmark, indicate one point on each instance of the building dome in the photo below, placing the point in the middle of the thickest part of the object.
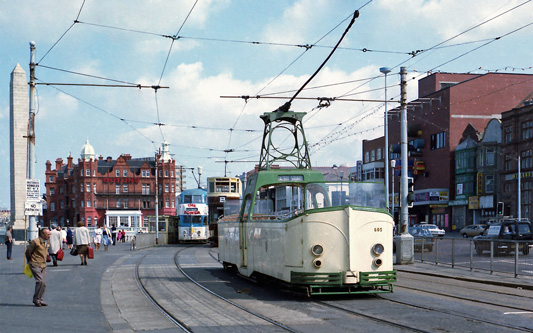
(87, 151)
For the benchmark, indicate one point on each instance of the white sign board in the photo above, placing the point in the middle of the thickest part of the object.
(33, 208)
(33, 189)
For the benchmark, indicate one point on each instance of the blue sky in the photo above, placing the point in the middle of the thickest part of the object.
(215, 56)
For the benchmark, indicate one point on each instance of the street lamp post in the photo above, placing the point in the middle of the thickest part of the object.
(200, 176)
(386, 70)
(157, 157)
(393, 165)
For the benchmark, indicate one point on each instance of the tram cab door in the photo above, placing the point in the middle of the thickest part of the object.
(244, 219)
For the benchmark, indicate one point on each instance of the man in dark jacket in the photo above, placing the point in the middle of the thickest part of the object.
(36, 254)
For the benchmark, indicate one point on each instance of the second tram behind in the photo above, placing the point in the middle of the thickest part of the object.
(193, 216)
(223, 193)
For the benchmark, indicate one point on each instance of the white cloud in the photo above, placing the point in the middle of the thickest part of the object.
(451, 17)
(295, 22)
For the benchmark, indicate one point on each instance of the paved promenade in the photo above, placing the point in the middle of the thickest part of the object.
(100, 296)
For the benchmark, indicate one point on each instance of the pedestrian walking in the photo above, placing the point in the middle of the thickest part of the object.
(36, 256)
(114, 233)
(82, 241)
(63, 237)
(55, 243)
(123, 236)
(9, 242)
(70, 237)
(106, 237)
(97, 238)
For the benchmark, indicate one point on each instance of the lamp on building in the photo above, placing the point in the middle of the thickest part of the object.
(386, 70)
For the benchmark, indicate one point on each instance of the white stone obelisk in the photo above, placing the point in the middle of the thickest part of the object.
(18, 131)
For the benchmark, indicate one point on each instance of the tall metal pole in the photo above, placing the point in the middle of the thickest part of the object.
(404, 242)
(386, 70)
(393, 165)
(32, 229)
(404, 214)
(157, 155)
(519, 190)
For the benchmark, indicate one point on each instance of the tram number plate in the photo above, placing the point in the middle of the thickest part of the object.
(378, 229)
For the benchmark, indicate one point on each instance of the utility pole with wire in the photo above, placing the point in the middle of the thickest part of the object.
(405, 242)
(32, 228)
(157, 157)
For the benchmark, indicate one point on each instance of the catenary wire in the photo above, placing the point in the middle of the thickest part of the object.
(63, 35)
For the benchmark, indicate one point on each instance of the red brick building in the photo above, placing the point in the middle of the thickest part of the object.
(447, 104)
(100, 191)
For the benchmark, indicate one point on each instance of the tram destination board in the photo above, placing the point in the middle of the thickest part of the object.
(33, 189)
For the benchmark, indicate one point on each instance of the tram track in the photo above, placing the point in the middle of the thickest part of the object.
(354, 311)
(154, 301)
(372, 317)
(472, 286)
(456, 314)
(258, 315)
(166, 308)
(466, 299)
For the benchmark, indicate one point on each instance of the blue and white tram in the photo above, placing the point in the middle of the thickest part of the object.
(193, 216)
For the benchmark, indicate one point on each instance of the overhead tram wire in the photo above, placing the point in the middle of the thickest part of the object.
(164, 68)
(457, 35)
(63, 35)
(306, 49)
(418, 52)
(125, 121)
(173, 40)
(483, 45)
(125, 83)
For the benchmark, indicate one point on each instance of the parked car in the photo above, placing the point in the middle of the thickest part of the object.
(473, 230)
(504, 234)
(433, 228)
(423, 237)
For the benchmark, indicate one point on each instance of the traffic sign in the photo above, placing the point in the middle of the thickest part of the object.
(33, 208)
(33, 189)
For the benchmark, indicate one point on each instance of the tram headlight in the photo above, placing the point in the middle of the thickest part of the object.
(378, 262)
(378, 249)
(317, 262)
(317, 250)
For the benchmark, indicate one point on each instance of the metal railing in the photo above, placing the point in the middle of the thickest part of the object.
(496, 256)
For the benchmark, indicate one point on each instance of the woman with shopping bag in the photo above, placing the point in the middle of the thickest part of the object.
(81, 241)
